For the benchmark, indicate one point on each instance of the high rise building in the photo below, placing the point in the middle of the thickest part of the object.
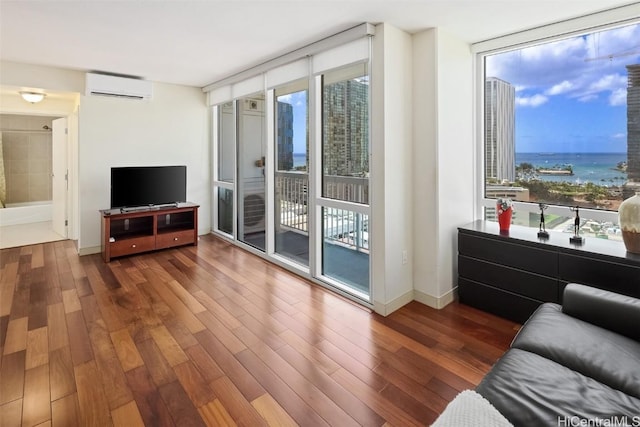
(346, 128)
(285, 136)
(633, 131)
(500, 134)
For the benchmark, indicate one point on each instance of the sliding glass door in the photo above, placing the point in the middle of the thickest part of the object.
(251, 171)
(291, 176)
(344, 202)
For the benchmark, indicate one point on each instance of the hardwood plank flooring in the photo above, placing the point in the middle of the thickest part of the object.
(213, 335)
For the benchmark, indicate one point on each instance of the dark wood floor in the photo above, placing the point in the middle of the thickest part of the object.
(212, 335)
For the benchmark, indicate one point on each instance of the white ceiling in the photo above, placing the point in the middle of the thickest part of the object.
(198, 42)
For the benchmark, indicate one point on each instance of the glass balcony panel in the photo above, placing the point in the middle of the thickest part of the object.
(291, 176)
(345, 249)
(225, 210)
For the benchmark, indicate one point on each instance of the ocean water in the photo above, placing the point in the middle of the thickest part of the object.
(597, 168)
(299, 159)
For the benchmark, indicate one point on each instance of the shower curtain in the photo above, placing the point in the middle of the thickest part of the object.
(3, 180)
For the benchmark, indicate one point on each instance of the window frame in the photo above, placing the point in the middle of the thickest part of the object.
(607, 20)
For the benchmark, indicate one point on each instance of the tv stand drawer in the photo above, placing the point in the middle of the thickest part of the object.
(175, 238)
(132, 246)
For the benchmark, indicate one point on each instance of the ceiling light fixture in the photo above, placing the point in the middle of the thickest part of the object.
(32, 97)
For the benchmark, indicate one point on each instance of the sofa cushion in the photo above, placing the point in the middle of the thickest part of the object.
(530, 390)
(598, 353)
(615, 312)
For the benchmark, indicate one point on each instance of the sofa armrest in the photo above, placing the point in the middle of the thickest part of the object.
(609, 310)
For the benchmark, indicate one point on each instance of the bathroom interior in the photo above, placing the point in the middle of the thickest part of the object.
(26, 157)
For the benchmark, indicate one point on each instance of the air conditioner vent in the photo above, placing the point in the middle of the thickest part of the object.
(116, 95)
(119, 87)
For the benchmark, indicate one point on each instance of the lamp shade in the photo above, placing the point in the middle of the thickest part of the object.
(32, 97)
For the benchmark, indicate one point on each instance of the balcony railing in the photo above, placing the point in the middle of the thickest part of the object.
(340, 226)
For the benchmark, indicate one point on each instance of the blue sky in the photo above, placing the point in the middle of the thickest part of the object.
(571, 94)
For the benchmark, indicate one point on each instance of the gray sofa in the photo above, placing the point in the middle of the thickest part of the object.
(571, 364)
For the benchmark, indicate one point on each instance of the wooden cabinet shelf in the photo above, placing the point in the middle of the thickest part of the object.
(127, 233)
(512, 274)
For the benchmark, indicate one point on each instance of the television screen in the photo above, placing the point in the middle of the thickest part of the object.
(148, 185)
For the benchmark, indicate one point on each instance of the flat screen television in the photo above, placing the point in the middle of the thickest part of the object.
(135, 186)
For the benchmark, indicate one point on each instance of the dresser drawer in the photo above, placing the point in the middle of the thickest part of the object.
(524, 257)
(612, 276)
(497, 301)
(174, 238)
(132, 245)
(536, 286)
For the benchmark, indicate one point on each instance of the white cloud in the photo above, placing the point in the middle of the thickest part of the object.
(532, 101)
(285, 98)
(559, 88)
(618, 97)
(578, 67)
(619, 135)
(608, 82)
(587, 98)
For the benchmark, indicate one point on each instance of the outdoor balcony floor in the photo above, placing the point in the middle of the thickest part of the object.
(341, 263)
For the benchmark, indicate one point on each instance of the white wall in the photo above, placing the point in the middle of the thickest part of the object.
(444, 154)
(51, 106)
(39, 77)
(425, 167)
(391, 172)
(170, 129)
(456, 153)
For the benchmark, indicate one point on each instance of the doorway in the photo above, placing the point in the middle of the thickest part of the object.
(33, 179)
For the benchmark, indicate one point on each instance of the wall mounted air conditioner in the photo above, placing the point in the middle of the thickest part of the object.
(118, 87)
(253, 206)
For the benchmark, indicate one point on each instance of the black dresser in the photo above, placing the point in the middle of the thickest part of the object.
(512, 274)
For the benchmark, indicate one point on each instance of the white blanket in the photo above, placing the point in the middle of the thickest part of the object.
(469, 409)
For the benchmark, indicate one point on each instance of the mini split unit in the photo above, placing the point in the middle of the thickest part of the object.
(118, 87)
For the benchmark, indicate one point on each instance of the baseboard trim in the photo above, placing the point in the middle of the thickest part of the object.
(387, 309)
(89, 251)
(436, 302)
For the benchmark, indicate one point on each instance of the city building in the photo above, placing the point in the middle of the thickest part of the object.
(285, 136)
(633, 131)
(346, 129)
(500, 146)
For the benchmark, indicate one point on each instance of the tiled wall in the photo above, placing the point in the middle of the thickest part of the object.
(26, 148)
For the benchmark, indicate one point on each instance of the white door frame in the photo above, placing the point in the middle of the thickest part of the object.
(72, 156)
(60, 176)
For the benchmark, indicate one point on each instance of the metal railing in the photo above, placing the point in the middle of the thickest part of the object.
(340, 226)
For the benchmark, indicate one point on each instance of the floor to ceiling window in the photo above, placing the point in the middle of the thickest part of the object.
(291, 178)
(292, 165)
(225, 168)
(344, 201)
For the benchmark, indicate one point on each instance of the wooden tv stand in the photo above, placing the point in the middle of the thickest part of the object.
(147, 229)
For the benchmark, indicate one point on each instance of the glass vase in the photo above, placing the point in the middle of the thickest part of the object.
(629, 218)
(504, 218)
